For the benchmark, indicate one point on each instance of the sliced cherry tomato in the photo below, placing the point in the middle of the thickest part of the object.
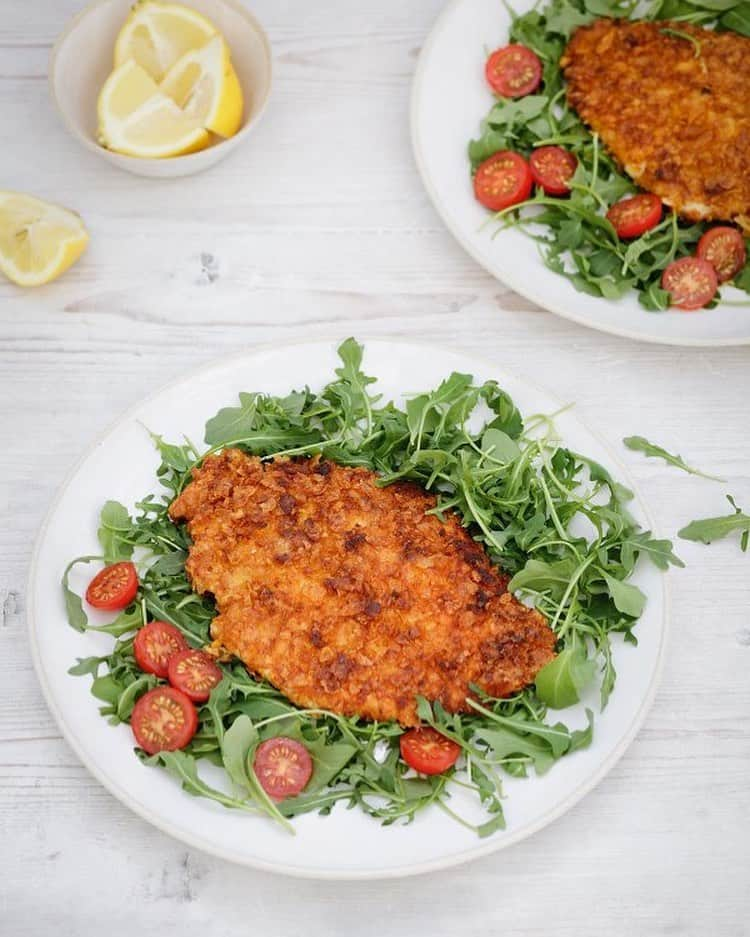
(163, 720)
(634, 216)
(195, 673)
(155, 643)
(552, 168)
(427, 751)
(724, 248)
(513, 71)
(283, 767)
(113, 588)
(503, 180)
(690, 282)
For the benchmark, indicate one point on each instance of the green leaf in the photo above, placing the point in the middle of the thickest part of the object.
(329, 759)
(506, 743)
(86, 665)
(233, 423)
(582, 738)
(660, 552)
(738, 20)
(107, 689)
(564, 19)
(130, 694)
(627, 598)
(498, 445)
(114, 527)
(509, 112)
(709, 529)
(490, 142)
(77, 618)
(639, 444)
(177, 458)
(542, 576)
(559, 683)
(183, 767)
(236, 744)
(130, 619)
(237, 747)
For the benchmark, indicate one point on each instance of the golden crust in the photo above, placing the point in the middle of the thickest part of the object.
(347, 596)
(675, 115)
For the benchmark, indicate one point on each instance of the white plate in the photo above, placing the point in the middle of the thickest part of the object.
(449, 98)
(346, 844)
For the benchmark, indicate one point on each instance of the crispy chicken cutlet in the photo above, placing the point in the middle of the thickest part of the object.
(671, 102)
(348, 596)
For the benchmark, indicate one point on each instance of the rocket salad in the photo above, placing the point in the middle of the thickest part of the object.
(522, 494)
(535, 165)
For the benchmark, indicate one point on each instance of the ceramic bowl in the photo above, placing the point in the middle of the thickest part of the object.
(82, 58)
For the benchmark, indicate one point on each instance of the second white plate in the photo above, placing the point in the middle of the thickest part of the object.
(449, 98)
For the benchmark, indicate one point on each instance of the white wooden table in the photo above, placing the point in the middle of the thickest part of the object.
(319, 228)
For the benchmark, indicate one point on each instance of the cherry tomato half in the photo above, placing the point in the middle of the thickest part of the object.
(503, 180)
(195, 673)
(154, 644)
(163, 720)
(552, 168)
(427, 751)
(634, 216)
(113, 588)
(690, 282)
(724, 248)
(283, 766)
(513, 71)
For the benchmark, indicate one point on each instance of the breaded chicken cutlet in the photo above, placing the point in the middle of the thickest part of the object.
(671, 102)
(349, 597)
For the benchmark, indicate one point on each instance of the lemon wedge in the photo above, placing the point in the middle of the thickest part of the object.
(138, 119)
(203, 84)
(156, 35)
(38, 240)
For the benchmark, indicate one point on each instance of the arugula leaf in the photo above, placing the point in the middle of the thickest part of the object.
(86, 665)
(329, 759)
(560, 682)
(640, 444)
(660, 552)
(114, 525)
(627, 597)
(237, 747)
(552, 578)
(128, 697)
(498, 445)
(232, 423)
(505, 743)
(77, 618)
(716, 528)
(184, 767)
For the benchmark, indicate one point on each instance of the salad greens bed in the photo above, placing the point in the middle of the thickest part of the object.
(581, 244)
(553, 518)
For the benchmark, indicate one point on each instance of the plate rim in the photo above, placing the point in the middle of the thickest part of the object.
(483, 848)
(508, 279)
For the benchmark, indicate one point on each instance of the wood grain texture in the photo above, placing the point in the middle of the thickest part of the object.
(319, 228)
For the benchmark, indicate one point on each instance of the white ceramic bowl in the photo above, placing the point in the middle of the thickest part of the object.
(82, 58)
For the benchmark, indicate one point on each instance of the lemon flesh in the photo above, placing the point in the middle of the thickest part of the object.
(156, 35)
(38, 240)
(203, 84)
(137, 118)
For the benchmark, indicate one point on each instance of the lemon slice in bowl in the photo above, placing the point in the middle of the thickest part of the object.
(156, 35)
(204, 85)
(138, 119)
(38, 240)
